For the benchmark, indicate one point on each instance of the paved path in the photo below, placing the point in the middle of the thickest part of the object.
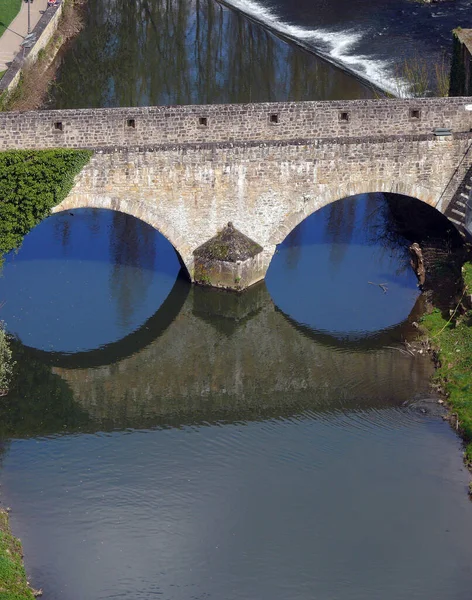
(14, 35)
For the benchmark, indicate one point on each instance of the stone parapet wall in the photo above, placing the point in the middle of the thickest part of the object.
(228, 123)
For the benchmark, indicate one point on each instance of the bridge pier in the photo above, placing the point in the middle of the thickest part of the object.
(230, 260)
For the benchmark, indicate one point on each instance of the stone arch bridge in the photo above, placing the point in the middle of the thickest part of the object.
(189, 170)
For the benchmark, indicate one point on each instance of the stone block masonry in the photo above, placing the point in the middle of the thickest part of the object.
(227, 123)
(461, 67)
(189, 170)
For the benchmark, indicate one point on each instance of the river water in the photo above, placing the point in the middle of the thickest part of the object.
(167, 441)
(198, 51)
(163, 440)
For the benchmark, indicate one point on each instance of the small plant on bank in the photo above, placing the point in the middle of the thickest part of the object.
(442, 70)
(13, 583)
(467, 276)
(414, 77)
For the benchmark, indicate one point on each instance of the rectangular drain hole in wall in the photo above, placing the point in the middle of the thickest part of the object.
(131, 124)
(415, 113)
(58, 126)
(203, 121)
(344, 117)
(274, 119)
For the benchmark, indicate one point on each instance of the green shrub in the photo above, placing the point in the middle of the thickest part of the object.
(31, 183)
(6, 363)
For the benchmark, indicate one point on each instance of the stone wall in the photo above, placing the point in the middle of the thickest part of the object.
(189, 192)
(227, 123)
(43, 32)
(461, 67)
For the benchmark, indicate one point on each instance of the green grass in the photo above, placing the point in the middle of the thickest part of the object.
(8, 11)
(467, 275)
(453, 343)
(13, 584)
(2, 73)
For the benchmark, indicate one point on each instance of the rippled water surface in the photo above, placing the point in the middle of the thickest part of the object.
(191, 443)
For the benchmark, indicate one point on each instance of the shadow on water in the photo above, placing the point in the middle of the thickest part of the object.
(113, 352)
(215, 359)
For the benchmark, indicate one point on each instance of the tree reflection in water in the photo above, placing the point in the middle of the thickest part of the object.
(188, 52)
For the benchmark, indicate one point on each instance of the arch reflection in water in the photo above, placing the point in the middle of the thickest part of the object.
(85, 279)
(325, 274)
(225, 358)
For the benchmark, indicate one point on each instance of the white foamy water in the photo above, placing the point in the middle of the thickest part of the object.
(337, 47)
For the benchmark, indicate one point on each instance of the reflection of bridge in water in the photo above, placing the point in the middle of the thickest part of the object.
(228, 357)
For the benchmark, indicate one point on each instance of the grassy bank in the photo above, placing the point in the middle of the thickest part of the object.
(13, 583)
(8, 11)
(451, 339)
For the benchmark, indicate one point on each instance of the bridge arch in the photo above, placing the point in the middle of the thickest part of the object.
(332, 193)
(137, 209)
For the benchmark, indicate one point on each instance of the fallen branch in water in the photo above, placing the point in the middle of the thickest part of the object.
(381, 285)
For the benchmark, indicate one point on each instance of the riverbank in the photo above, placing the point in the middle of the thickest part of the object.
(13, 582)
(37, 75)
(450, 339)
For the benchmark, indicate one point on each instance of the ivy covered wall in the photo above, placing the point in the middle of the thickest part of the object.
(31, 183)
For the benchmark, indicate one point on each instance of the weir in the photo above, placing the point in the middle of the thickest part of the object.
(190, 170)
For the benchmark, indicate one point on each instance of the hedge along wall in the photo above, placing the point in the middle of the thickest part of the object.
(461, 66)
(31, 183)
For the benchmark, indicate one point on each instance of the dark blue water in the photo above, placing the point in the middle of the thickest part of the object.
(85, 279)
(327, 272)
(367, 39)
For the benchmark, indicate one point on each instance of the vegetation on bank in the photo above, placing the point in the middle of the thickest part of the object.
(36, 77)
(8, 11)
(6, 363)
(451, 339)
(13, 583)
(31, 183)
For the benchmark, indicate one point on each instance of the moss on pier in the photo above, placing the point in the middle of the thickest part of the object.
(229, 245)
(13, 583)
